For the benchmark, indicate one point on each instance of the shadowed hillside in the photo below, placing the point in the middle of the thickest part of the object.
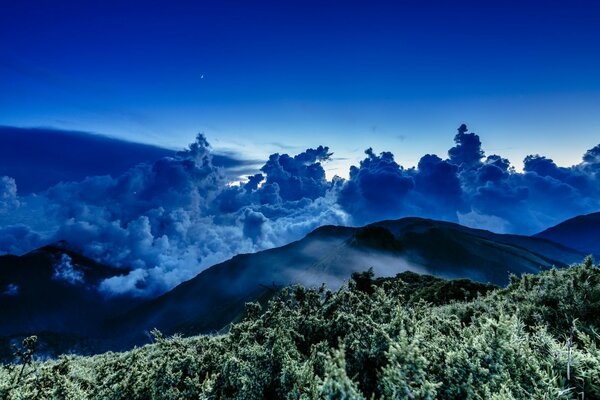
(581, 233)
(407, 337)
(55, 289)
(329, 255)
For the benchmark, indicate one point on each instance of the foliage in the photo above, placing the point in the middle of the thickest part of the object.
(393, 338)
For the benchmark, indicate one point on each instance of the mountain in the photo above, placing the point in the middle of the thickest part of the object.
(329, 255)
(581, 233)
(54, 289)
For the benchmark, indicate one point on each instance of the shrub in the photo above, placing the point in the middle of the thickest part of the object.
(393, 338)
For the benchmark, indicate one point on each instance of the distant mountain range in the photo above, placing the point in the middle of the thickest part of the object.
(42, 298)
(331, 253)
(580, 233)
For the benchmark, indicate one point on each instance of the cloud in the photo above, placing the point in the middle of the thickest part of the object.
(8, 194)
(438, 187)
(165, 221)
(472, 189)
(18, 239)
(11, 290)
(39, 158)
(64, 271)
(467, 153)
(377, 188)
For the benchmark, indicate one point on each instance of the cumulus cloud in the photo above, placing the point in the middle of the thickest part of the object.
(66, 272)
(467, 153)
(377, 188)
(479, 191)
(8, 194)
(164, 222)
(39, 158)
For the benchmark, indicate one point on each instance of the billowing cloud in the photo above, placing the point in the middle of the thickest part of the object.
(479, 191)
(164, 222)
(8, 194)
(65, 271)
(377, 188)
(38, 158)
(467, 153)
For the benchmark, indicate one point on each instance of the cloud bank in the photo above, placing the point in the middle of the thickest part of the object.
(166, 221)
(39, 158)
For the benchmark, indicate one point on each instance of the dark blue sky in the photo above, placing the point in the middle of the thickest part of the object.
(283, 75)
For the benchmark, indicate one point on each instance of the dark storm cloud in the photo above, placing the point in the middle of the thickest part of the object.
(167, 220)
(38, 158)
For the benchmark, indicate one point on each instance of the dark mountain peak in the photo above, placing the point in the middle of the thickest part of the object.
(54, 288)
(412, 224)
(49, 256)
(373, 237)
(53, 249)
(330, 254)
(215, 297)
(581, 233)
(326, 231)
(576, 221)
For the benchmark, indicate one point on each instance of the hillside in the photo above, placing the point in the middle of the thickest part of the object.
(374, 338)
(329, 255)
(54, 289)
(581, 233)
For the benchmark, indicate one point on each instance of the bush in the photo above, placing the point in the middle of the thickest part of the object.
(393, 338)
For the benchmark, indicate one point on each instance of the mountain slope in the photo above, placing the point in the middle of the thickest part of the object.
(330, 254)
(581, 233)
(54, 289)
(374, 339)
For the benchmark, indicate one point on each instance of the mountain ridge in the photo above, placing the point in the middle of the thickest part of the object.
(580, 233)
(329, 254)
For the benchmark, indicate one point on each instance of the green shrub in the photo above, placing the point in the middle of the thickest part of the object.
(408, 337)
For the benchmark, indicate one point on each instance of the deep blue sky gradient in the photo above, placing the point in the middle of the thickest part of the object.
(273, 76)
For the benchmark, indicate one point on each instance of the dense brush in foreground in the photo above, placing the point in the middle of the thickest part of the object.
(409, 337)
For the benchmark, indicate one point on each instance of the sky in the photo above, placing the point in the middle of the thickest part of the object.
(165, 137)
(262, 77)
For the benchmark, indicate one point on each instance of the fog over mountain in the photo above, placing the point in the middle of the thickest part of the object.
(168, 220)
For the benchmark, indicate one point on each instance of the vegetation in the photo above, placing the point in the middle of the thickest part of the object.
(409, 337)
